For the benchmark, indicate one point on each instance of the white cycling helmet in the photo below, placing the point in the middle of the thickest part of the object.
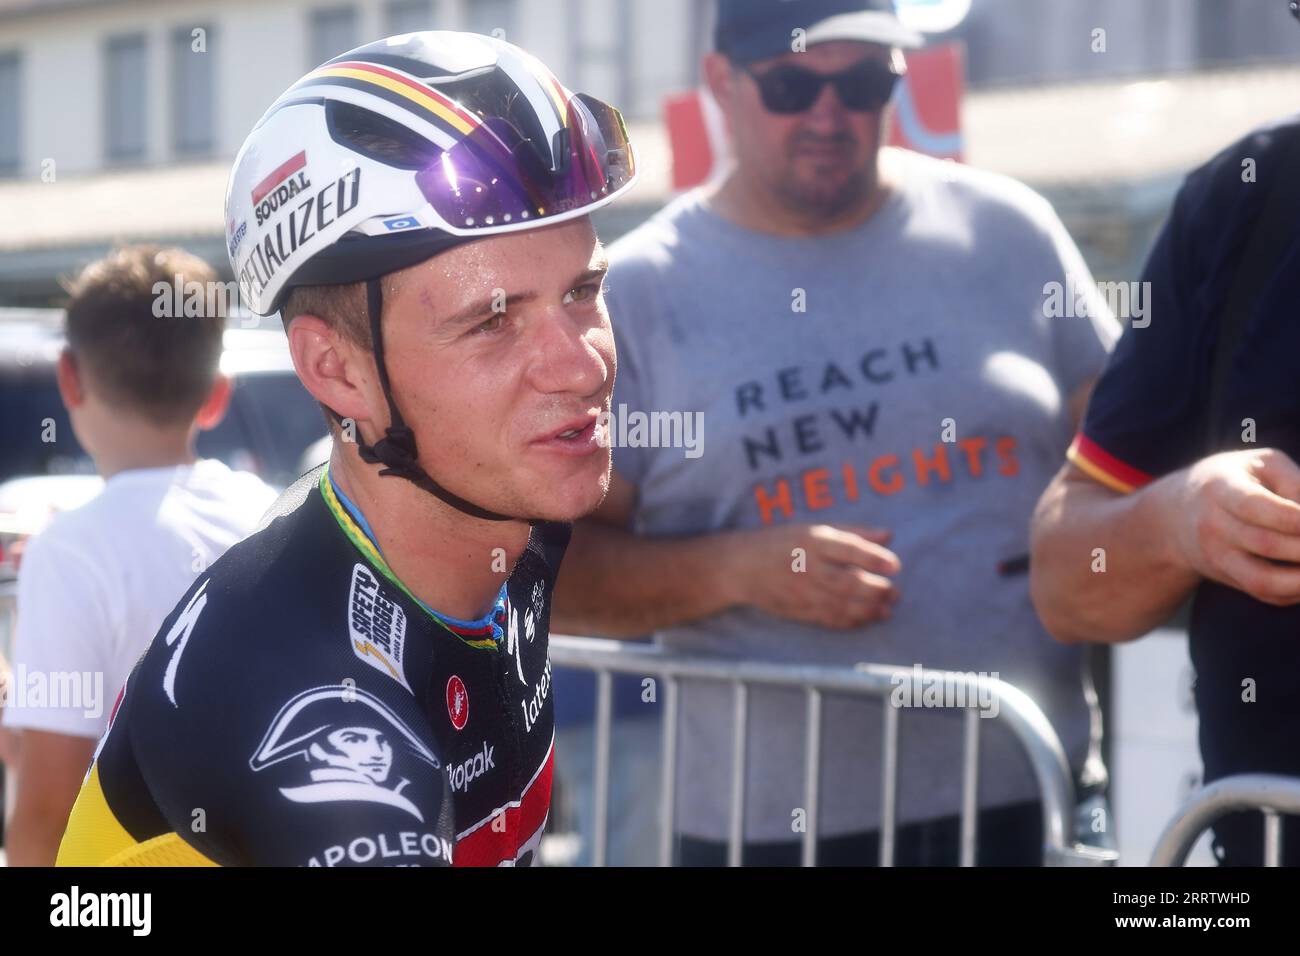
(404, 147)
(399, 150)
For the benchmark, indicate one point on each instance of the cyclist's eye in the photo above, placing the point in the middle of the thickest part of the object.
(583, 293)
(493, 324)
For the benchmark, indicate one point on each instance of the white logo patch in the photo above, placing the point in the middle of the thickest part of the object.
(376, 625)
(350, 746)
(462, 775)
(181, 629)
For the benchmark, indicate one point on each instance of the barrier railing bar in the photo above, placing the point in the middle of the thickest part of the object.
(668, 796)
(1270, 794)
(739, 739)
(604, 712)
(889, 784)
(812, 776)
(1272, 838)
(970, 786)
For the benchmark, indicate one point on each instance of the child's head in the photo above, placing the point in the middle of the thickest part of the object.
(134, 361)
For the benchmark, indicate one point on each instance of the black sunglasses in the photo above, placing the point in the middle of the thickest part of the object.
(864, 87)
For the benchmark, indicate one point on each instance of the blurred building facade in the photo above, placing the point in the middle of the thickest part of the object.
(1020, 42)
(119, 118)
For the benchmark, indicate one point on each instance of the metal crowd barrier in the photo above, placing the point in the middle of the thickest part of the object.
(1270, 794)
(1015, 708)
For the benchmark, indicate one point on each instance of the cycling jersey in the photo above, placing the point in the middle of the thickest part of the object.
(301, 707)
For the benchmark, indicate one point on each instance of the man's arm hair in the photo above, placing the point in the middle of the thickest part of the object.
(615, 583)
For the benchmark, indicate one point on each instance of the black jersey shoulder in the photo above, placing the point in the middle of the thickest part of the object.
(256, 713)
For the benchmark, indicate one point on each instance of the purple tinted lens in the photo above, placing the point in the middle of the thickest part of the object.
(494, 177)
(484, 181)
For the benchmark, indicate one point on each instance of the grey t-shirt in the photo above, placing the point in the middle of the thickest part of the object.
(931, 310)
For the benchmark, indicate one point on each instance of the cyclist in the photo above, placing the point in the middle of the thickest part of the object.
(365, 679)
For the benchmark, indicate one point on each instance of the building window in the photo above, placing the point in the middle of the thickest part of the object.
(10, 113)
(193, 115)
(333, 31)
(409, 16)
(488, 15)
(126, 108)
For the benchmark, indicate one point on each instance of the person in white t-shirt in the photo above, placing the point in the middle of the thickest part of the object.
(95, 586)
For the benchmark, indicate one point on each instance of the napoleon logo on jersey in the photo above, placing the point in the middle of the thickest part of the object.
(377, 625)
(352, 745)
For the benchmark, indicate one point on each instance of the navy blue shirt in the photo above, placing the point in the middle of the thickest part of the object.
(1147, 419)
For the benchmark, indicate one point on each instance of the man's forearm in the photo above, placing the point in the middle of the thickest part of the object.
(48, 776)
(617, 584)
(33, 835)
(1104, 567)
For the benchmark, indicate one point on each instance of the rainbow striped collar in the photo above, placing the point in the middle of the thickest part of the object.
(486, 633)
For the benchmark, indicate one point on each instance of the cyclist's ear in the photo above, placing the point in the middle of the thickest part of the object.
(214, 407)
(334, 370)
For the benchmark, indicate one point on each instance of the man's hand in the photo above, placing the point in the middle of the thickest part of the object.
(1233, 515)
(616, 583)
(845, 582)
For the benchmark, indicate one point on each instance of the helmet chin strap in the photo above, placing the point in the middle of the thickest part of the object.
(396, 450)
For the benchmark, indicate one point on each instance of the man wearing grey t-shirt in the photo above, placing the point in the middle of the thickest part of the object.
(867, 338)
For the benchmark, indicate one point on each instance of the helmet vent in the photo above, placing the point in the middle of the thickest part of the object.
(377, 137)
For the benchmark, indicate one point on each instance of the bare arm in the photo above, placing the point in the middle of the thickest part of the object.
(50, 771)
(1081, 527)
(1231, 518)
(619, 584)
(1074, 513)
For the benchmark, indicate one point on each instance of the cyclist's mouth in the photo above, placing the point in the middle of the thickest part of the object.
(574, 438)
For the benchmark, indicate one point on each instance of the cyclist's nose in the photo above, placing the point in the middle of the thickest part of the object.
(571, 356)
